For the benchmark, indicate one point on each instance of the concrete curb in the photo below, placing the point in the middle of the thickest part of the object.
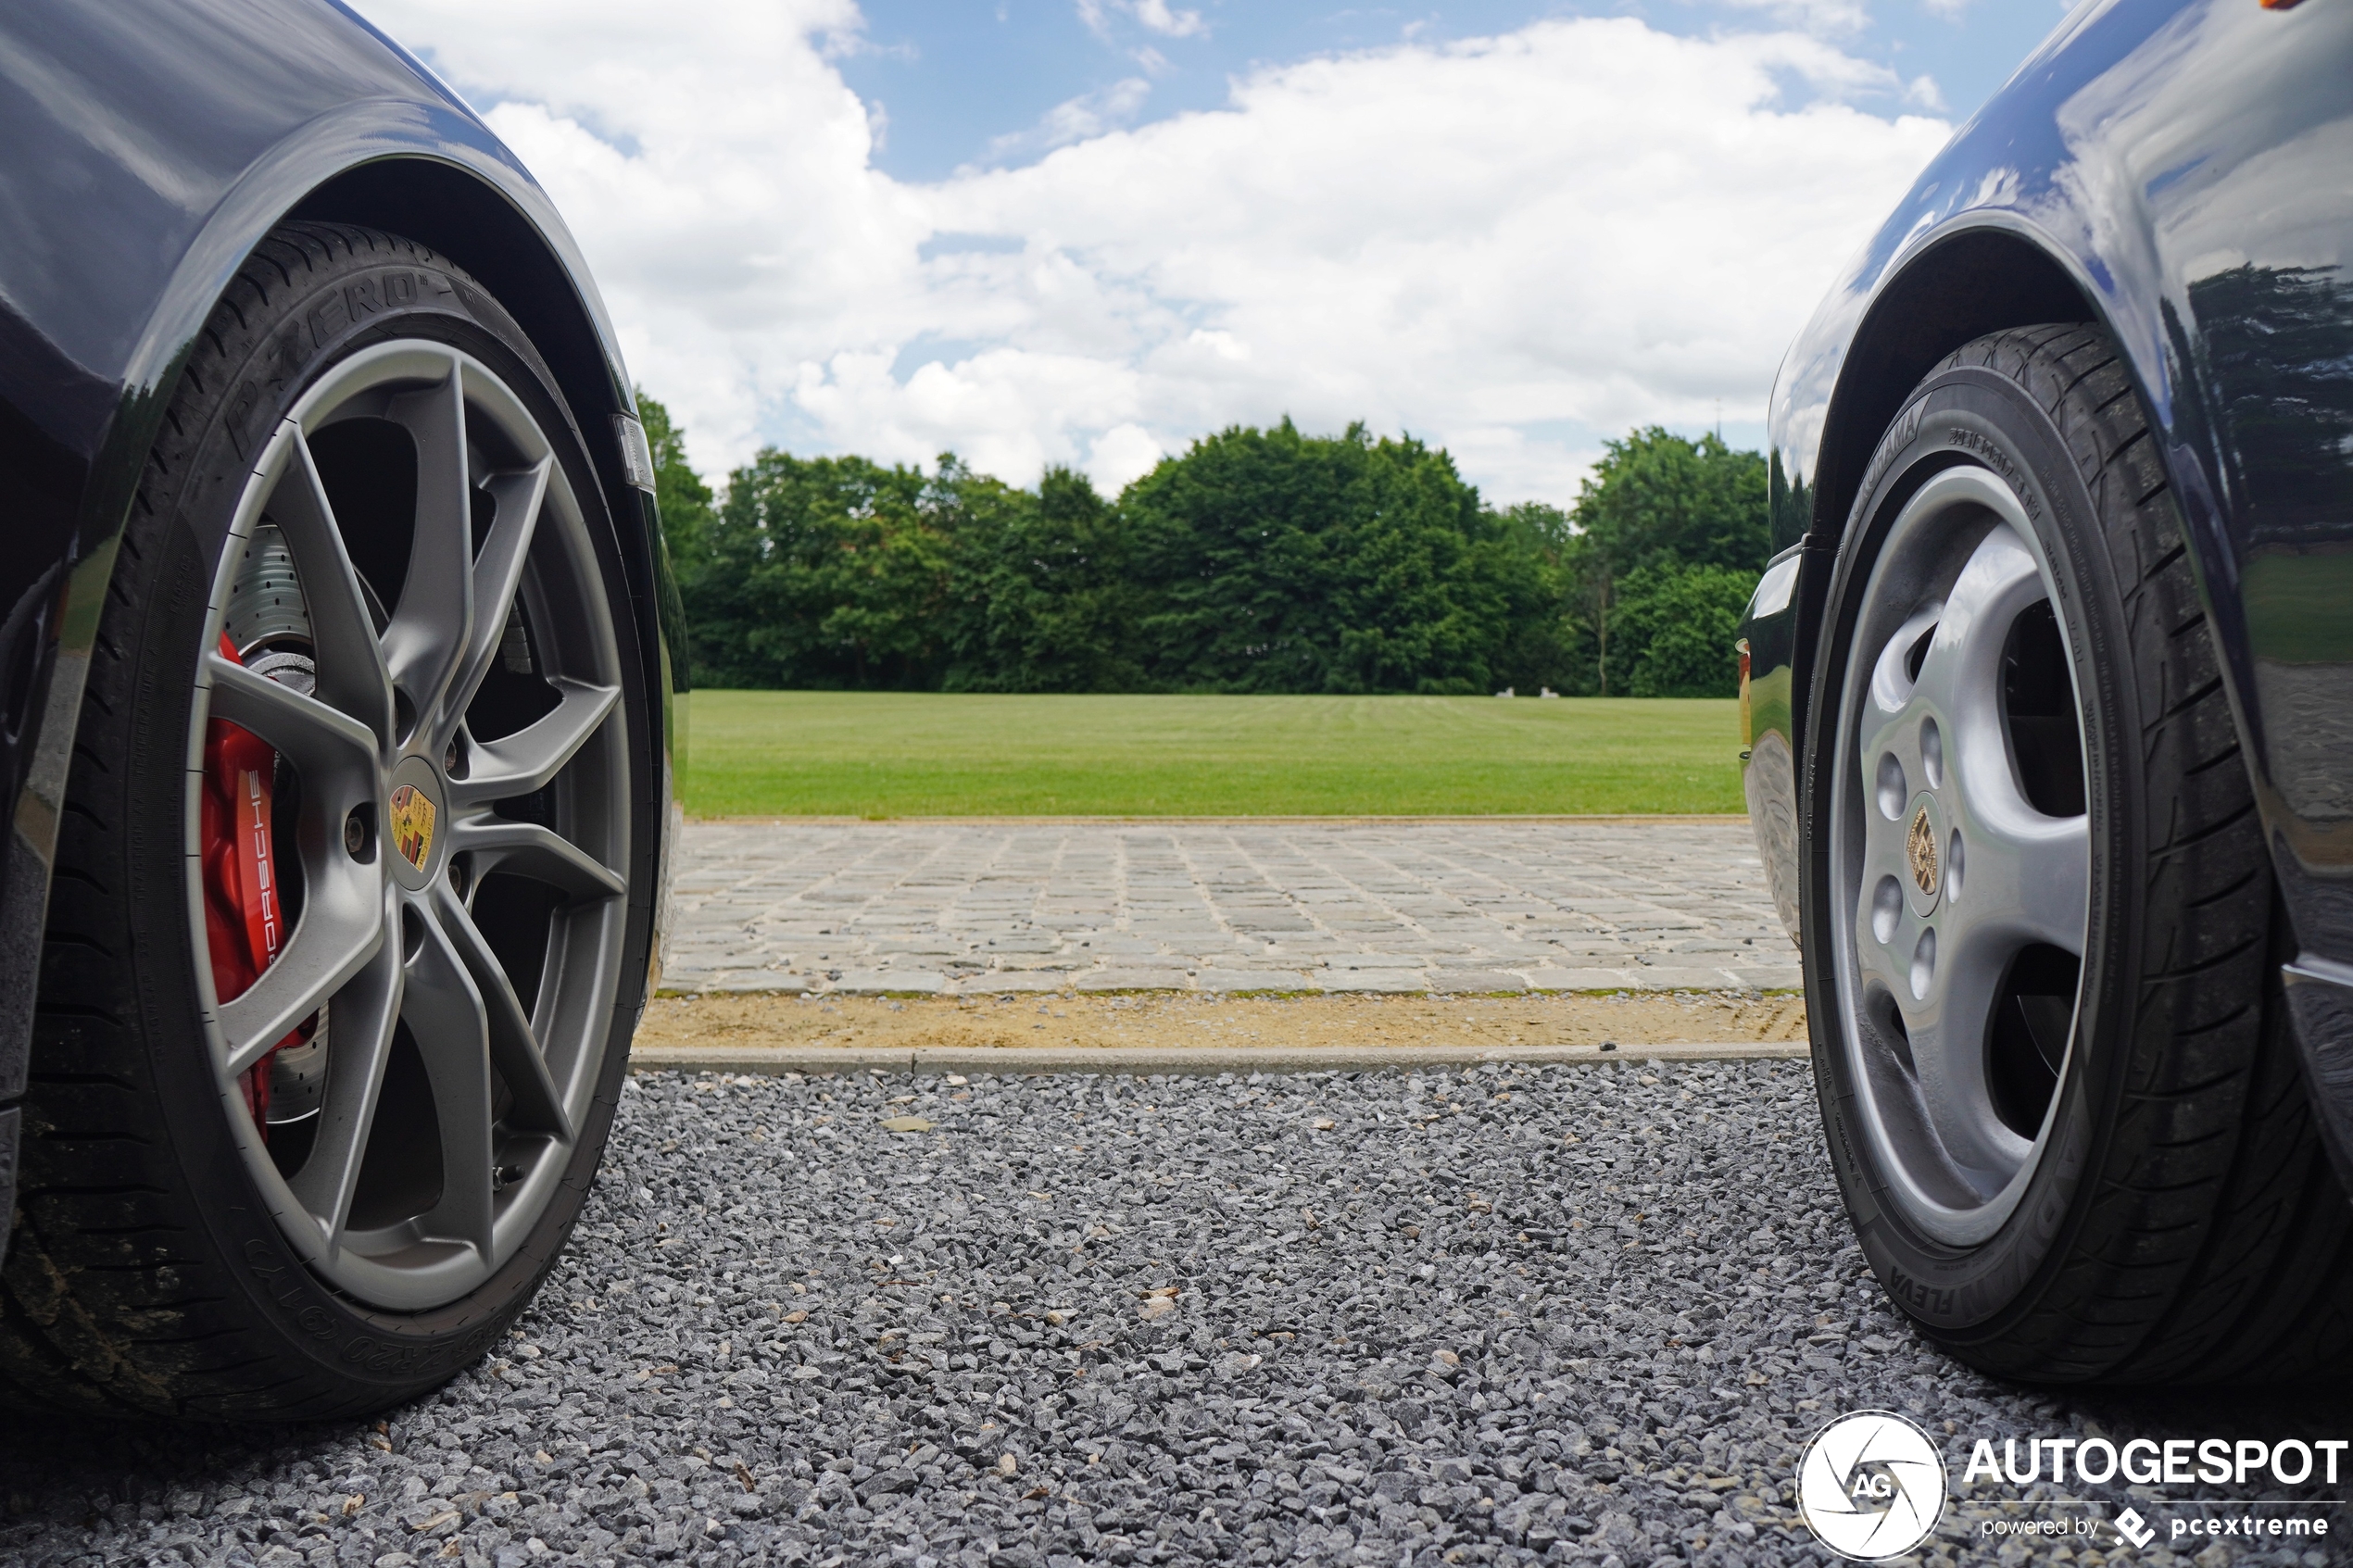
(1189, 1061)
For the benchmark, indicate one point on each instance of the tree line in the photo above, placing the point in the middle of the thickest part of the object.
(1258, 561)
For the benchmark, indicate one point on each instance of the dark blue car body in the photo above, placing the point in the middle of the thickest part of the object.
(2179, 172)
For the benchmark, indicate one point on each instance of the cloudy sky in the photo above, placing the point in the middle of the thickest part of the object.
(1085, 232)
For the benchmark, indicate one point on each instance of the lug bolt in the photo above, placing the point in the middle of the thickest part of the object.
(355, 836)
(458, 877)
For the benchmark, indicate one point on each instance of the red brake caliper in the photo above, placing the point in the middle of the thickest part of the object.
(244, 924)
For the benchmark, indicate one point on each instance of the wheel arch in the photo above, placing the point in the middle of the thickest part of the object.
(477, 224)
(456, 212)
(1975, 279)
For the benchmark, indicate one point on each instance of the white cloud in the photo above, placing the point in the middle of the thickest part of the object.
(1829, 18)
(1156, 16)
(1122, 454)
(1076, 119)
(1510, 245)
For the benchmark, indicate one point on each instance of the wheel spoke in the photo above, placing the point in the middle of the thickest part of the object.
(530, 850)
(515, 1047)
(2000, 579)
(524, 762)
(447, 1019)
(2028, 876)
(324, 742)
(1960, 679)
(1888, 962)
(431, 624)
(1948, 1045)
(352, 676)
(360, 1033)
(341, 929)
(498, 572)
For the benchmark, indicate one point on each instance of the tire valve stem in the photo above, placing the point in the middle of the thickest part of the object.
(505, 1176)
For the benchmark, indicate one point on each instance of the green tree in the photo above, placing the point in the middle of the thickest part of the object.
(1258, 561)
(1544, 637)
(1281, 563)
(1052, 601)
(1657, 499)
(824, 572)
(1677, 624)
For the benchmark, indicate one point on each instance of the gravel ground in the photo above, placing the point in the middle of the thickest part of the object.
(1570, 1313)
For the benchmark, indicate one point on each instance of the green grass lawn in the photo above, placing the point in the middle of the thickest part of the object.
(906, 755)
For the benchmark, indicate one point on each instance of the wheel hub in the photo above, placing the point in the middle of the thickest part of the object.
(414, 813)
(1923, 858)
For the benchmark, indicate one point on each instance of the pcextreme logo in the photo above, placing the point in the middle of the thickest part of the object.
(1871, 1485)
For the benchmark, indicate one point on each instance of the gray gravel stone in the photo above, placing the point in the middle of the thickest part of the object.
(1587, 1314)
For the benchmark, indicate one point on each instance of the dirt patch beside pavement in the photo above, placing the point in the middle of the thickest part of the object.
(1188, 1019)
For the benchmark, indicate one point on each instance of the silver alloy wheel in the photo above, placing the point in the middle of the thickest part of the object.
(489, 1026)
(1958, 875)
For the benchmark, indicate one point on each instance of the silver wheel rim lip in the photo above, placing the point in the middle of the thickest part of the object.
(1885, 1122)
(429, 1272)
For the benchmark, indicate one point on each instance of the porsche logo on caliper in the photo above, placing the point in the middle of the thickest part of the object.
(1919, 847)
(412, 824)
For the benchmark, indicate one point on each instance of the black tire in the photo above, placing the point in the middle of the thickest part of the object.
(2179, 1220)
(146, 1275)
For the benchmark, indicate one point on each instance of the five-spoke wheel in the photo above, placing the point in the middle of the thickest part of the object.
(1961, 853)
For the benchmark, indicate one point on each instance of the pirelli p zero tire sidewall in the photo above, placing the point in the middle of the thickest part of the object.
(1968, 415)
(312, 1351)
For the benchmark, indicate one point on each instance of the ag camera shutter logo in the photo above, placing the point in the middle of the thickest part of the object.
(1871, 1485)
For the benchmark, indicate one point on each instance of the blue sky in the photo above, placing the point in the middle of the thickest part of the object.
(1090, 232)
(959, 85)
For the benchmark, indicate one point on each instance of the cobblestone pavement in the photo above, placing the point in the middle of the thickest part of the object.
(1455, 905)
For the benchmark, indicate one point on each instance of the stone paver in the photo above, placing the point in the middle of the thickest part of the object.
(997, 906)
